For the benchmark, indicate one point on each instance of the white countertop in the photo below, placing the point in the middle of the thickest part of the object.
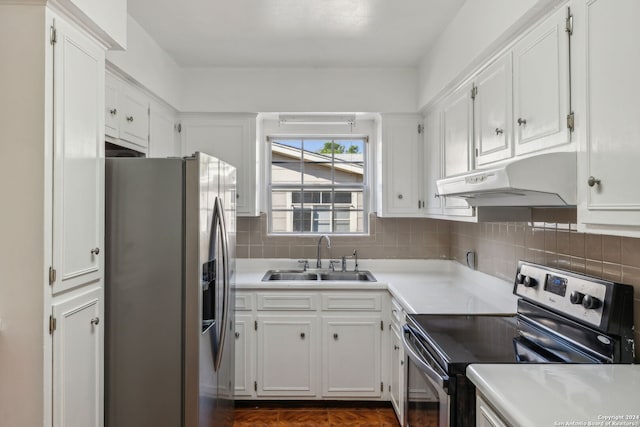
(561, 395)
(420, 286)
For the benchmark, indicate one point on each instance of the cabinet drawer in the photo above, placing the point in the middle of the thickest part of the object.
(279, 301)
(397, 314)
(365, 302)
(244, 302)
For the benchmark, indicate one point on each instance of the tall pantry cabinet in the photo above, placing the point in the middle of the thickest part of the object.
(52, 246)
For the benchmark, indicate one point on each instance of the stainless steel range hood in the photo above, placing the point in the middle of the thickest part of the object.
(540, 180)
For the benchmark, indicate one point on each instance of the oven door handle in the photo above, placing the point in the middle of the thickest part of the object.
(441, 379)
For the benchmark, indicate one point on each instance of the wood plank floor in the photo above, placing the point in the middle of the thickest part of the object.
(283, 415)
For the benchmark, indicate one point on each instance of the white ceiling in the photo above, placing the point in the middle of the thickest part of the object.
(294, 33)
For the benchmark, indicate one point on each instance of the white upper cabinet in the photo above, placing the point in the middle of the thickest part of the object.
(163, 137)
(112, 89)
(78, 181)
(126, 112)
(608, 172)
(492, 113)
(134, 118)
(399, 166)
(231, 138)
(457, 132)
(541, 86)
(432, 161)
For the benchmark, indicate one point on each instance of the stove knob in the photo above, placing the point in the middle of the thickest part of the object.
(520, 279)
(590, 302)
(530, 282)
(576, 297)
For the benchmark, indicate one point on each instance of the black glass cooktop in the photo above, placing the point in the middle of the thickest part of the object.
(458, 340)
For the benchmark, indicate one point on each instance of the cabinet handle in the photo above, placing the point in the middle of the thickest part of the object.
(400, 196)
(436, 195)
(402, 363)
(395, 347)
(130, 119)
(593, 182)
(95, 321)
(499, 131)
(335, 336)
(113, 112)
(95, 251)
(237, 334)
(521, 122)
(302, 335)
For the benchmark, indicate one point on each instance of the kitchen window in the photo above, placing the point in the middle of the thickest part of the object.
(318, 185)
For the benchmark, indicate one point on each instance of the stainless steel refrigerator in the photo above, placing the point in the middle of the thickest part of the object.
(170, 274)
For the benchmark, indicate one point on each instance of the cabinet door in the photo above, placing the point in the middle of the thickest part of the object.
(608, 171)
(162, 141)
(245, 355)
(78, 182)
(134, 120)
(397, 375)
(457, 129)
(541, 86)
(112, 89)
(486, 416)
(400, 182)
(287, 347)
(432, 162)
(232, 140)
(351, 356)
(492, 113)
(78, 361)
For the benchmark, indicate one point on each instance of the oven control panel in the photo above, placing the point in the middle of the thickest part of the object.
(579, 297)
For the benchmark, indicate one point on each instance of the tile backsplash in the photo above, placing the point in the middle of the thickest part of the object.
(551, 238)
(402, 238)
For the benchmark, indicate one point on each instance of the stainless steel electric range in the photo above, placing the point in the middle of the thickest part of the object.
(562, 317)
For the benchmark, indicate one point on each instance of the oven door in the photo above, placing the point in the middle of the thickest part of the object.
(427, 400)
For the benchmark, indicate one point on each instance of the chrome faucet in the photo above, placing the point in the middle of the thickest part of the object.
(318, 260)
(355, 255)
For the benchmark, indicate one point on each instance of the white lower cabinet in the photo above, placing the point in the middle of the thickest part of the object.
(244, 339)
(310, 344)
(78, 360)
(351, 356)
(397, 376)
(486, 416)
(287, 350)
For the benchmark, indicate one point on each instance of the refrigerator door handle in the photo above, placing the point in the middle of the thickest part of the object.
(219, 213)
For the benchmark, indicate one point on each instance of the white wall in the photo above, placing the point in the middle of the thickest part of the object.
(107, 18)
(299, 89)
(22, 188)
(146, 62)
(478, 29)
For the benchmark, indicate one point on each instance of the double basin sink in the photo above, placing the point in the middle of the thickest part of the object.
(311, 276)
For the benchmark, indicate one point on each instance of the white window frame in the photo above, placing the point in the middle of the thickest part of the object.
(366, 191)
